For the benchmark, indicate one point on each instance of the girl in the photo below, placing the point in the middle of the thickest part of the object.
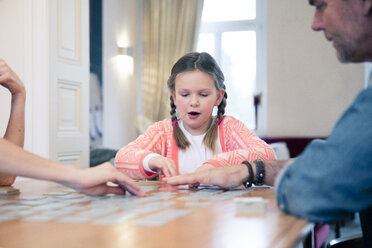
(193, 138)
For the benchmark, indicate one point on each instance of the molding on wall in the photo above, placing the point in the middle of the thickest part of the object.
(36, 64)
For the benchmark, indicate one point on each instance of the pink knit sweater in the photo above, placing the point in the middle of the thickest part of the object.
(237, 142)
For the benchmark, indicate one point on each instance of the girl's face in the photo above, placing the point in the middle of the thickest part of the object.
(195, 95)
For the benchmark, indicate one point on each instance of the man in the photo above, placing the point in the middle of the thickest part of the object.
(331, 178)
(14, 161)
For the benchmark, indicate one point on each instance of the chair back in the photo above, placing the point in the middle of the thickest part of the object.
(366, 223)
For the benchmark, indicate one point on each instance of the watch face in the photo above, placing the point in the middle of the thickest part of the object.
(247, 184)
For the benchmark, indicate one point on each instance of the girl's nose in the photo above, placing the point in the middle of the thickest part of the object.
(194, 101)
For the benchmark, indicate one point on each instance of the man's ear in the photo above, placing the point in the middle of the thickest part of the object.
(367, 7)
(220, 96)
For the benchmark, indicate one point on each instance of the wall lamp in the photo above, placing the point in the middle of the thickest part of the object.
(125, 51)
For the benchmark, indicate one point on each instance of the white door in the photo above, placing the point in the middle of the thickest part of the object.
(69, 81)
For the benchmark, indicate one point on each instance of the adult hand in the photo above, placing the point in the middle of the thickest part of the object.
(163, 165)
(225, 177)
(10, 80)
(93, 181)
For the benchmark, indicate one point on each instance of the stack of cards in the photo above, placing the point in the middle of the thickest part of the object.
(250, 206)
(9, 190)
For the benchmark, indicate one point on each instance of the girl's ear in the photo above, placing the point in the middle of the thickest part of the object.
(220, 95)
(173, 94)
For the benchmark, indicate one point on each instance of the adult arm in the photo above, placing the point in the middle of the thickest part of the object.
(328, 181)
(226, 177)
(16, 126)
(92, 181)
(333, 178)
(240, 144)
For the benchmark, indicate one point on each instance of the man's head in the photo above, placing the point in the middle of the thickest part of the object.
(348, 24)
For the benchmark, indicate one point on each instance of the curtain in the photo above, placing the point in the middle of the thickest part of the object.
(170, 29)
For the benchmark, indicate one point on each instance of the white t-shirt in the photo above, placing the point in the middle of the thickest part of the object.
(191, 158)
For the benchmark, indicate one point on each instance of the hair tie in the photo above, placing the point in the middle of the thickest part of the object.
(217, 121)
(174, 123)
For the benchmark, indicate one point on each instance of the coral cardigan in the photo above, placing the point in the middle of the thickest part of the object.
(237, 143)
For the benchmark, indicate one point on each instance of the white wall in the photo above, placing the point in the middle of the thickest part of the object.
(24, 44)
(307, 88)
(11, 50)
(121, 26)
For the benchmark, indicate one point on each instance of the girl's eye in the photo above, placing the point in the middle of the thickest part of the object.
(204, 94)
(184, 94)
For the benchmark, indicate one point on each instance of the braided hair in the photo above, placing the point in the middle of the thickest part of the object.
(205, 63)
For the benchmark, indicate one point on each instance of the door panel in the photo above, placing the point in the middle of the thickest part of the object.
(69, 86)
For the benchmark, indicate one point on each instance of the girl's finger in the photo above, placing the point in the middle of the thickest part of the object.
(166, 171)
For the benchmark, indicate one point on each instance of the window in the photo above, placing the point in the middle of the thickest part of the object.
(232, 31)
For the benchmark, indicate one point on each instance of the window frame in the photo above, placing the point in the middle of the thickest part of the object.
(259, 26)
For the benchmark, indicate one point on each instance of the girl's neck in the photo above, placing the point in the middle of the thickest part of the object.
(193, 133)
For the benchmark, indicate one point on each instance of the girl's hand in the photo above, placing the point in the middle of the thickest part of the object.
(10, 80)
(163, 165)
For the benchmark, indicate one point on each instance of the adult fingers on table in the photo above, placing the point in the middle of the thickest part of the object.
(194, 185)
(182, 180)
(131, 187)
(117, 190)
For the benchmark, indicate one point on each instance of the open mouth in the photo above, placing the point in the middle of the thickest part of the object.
(193, 113)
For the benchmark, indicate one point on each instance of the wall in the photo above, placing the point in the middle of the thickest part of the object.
(307, 88)
(25, 44)
(121, 26)
(11, 50)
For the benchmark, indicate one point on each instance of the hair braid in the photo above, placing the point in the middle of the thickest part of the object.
(173, 110)
(221, 108)
(179, 136)
(212, 133)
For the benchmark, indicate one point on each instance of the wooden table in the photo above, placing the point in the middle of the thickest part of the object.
(216, 225)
